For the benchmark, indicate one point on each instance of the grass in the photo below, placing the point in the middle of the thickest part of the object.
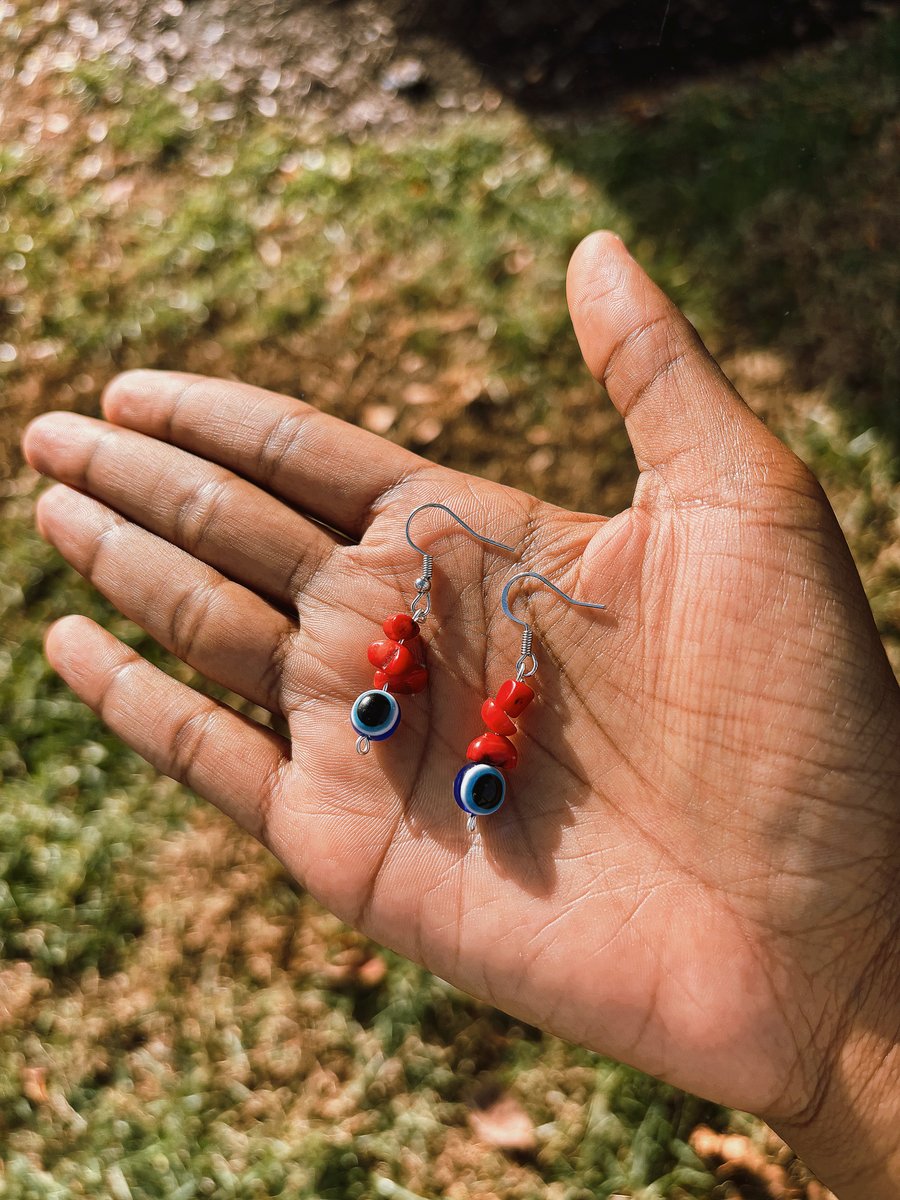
(767, 202)
(176, 1018)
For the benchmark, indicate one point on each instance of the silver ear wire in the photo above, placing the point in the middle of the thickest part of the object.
(421, 605)
(527, 663)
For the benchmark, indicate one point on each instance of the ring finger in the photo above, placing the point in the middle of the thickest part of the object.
(220, 628)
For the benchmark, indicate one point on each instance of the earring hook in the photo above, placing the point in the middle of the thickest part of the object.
(421, 605)
(468, 528)
(528, 664)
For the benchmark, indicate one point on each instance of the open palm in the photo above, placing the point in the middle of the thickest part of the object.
(695, 831)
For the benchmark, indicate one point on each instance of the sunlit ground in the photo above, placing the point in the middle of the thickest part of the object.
(176, 1018)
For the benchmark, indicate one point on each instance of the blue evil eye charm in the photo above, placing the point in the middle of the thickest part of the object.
(375, 715)
(479, 789)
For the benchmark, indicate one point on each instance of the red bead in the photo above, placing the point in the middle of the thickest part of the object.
(410, 684)
(495, 718)
(514, 697)
(382, 652)
(493, 748)
(401, 627)
(391, 657)
(401, 664)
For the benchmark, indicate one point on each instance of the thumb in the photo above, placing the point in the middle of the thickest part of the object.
(686, 422)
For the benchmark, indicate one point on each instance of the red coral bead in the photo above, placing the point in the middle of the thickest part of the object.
(391, 657)
(493, 748)
(514, 696)
(495, 718)
(410, 684)
(382, 652)
(401, 663)
(416, 681)
(401, 627)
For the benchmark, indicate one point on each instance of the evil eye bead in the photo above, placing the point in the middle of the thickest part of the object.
(479, 789)
(375, 715)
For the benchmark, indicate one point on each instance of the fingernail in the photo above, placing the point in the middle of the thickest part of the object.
(132, 389)
(50, 434)
(58, 503)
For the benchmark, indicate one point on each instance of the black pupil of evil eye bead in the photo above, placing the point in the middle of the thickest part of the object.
(373, 710)
(479, 789)
(375, 714)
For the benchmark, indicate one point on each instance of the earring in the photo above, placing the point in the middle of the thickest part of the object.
(399, 660)
(480, 786)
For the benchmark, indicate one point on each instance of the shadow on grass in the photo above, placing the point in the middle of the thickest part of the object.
(768, 203)
(551, 57)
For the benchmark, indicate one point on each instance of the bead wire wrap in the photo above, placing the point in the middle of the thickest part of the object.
(421, 606)
(527, 663)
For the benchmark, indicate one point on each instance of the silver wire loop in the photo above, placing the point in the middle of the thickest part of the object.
(468, 528)
(421, 604)
(363, 745)
(527, 662)
(471, 823)
(420, 608)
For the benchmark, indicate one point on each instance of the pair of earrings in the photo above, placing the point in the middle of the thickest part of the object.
(399, 661)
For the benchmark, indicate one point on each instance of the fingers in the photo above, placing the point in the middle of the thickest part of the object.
(221, 629)
(332, 470)
(207, 511)
(223, 756)
(685, 420)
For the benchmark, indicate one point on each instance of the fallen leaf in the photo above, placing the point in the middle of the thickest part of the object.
(34, 1084)
(426, 431)
(371, 972)
(705, 1141)
(540, 461)
(538, 435)
(505, 1124)
(270, 252)
(419, 393)
(378, 417)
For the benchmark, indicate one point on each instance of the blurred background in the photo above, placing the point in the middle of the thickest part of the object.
(372, 203)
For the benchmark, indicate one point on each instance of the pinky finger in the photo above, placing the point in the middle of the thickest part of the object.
(223, 756)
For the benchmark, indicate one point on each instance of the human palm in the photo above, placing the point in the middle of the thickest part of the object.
(703, 812)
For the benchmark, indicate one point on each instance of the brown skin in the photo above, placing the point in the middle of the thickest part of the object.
(697, 867)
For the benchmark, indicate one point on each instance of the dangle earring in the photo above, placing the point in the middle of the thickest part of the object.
(480, 786)
(399, 660)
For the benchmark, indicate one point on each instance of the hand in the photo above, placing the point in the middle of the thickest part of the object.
(696, 868)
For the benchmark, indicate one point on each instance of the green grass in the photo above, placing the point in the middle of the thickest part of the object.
(768, 204)
(176, 1018)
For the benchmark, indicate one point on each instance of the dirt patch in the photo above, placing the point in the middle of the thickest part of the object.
(332, 68)
(351, 66)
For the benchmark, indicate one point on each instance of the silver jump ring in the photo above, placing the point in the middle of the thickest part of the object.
(526, 665)
(421, 607)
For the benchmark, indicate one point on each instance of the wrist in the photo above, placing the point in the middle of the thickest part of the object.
(852, 1139)
(849, 1134)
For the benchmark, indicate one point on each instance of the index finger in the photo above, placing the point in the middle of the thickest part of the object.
(334, 471)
